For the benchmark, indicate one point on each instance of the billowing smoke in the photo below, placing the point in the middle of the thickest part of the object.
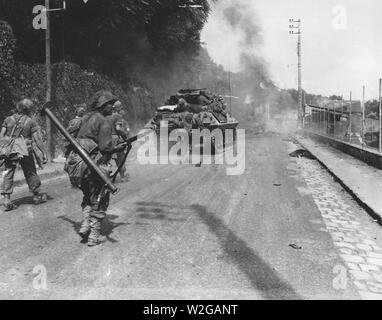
(232, 32)
(234, 39)
(241, 19)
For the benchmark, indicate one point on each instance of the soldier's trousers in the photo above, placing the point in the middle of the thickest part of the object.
(92, 188)
(29, 168)
(118, 159)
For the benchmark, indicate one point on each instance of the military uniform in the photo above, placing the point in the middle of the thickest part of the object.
(118, 137)
(75, 125)
(95, 136)
(73, 128)
(23, 157)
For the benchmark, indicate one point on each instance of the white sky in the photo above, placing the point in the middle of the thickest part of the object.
(335, 60)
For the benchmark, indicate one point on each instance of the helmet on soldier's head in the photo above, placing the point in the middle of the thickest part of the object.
(117, 107)
(80, 111)
(188, 117)
(182, 105)
(24, 106)
(182, 102)
(101, 98)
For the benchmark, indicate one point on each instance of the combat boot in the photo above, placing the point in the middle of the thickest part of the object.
(39, 198)
(95, 237)
(8, 204)
(85, 225)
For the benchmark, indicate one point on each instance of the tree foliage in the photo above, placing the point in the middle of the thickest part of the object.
(108, 34)
(372, 107)
(335, 97)
(146, 47)
(7, 46)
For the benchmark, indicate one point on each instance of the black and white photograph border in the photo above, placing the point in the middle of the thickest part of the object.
(204, 151)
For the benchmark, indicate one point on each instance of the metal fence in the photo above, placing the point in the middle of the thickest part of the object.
(345, 121)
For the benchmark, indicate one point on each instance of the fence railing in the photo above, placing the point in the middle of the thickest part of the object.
(347, 120)
(346, 126)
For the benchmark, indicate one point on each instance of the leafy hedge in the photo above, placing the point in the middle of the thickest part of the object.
(7, 47)
(71, 86)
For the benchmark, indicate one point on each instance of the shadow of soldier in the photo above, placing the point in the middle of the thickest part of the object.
(107, 227)
(262, 276)
(159, 211)
(29, 200)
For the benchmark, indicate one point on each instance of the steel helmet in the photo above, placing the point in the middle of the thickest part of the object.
(101, 98)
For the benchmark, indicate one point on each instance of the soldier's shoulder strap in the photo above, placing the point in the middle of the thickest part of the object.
(23, 124)
(17, 128)
(87, 117)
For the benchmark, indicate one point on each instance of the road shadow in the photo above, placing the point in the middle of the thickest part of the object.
(153, 204)
(107, 227)
(262, 277)
(29, 200)
(157, 211)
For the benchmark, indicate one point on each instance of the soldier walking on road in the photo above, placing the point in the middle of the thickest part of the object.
(95, 136)
(120, 132)
(24, 132)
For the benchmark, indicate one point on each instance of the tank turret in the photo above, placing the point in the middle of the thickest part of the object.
(195, 109)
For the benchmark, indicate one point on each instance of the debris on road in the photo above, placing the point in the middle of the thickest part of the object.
(302, 153)
(295, 246)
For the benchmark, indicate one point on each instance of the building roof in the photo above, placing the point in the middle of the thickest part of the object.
(339, 106)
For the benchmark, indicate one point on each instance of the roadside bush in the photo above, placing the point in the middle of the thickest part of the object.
(7, 47)
(72, 86)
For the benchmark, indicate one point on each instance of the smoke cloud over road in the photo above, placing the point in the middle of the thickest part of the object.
(234, 39)
(233, 31)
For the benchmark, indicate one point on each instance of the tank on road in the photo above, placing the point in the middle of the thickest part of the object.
(196, 109)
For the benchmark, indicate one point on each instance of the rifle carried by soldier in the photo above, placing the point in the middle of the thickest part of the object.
(87, 163)
(127, 145)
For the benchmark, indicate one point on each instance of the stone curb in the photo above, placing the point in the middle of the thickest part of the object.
(373, 212)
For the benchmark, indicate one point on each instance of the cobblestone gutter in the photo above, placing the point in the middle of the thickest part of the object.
(355, 235)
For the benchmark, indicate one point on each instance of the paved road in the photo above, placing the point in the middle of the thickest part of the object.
(187, 232)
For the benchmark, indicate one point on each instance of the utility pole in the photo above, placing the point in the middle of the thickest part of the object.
(363, 115)
(296, 24)
(350, 114)
(380, 114)
(48, 80)
(301, 107)
(48, 66)
(334, 120)
(230, 89)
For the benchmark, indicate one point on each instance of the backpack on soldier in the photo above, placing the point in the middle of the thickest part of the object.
(73, 128)
(14, 146)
